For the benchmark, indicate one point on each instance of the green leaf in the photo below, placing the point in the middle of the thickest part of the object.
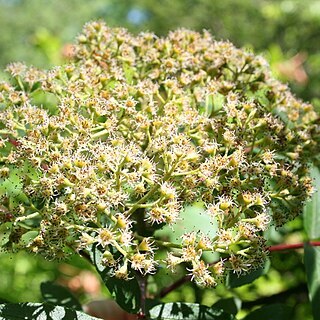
(234, 281)
(229, 305)
(209, 107)
(128, 72)
(275, 311)
(218, 101)
(30, 172)
(58, 295)
(46, 100)
(39, 311)
(5, 230)
(126, 293)
(212, 105)
(187, 311)
(312, 265)
(27, 237)
(13, 184)
(260, 96)
(192, 218)
(12, 187)
(312, 209)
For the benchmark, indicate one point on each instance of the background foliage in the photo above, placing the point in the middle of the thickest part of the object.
(286, 31)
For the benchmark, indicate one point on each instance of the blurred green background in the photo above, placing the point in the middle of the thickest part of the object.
(286, 32)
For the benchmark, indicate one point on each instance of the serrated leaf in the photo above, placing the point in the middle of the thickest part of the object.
(126, 293)
(312, 208)
(275, 311)
(229, 305)
(187, 311)
(30, 171)
(312, 265)
(57, 295)
(234, 281)
(40, 311)
(12, 187)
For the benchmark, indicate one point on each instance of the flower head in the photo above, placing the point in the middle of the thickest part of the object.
(136, 129)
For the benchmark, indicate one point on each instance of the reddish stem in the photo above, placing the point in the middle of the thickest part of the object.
(14, 142)
(174, 286)
(282, 247)
(278, 247)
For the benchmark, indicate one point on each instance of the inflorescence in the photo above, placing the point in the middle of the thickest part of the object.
(110, 147)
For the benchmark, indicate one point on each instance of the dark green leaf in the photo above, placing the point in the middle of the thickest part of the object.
(150, 303)
(229, 305)
(312, 265)
(126, 293)
(39, 311)
(58, 295)
(187, 311)
(233, 281)
(271, 312)
(312, 209)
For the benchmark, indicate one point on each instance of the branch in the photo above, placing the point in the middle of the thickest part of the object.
(174, 286)
(283, 247)
(279, 247)
(142, 280)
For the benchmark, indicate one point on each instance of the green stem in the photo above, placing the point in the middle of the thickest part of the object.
(100, 134)
(20, 83)
(177, 174)
(160, 97)
(117, 173)
(279, 247)
(29, 216)
(153, 190)
(167, 244)
(119, 248)
(4, 131)
(79, 227)
(97, 128)
(146, 205)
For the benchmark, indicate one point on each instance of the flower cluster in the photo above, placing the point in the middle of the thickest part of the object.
(112, 146)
